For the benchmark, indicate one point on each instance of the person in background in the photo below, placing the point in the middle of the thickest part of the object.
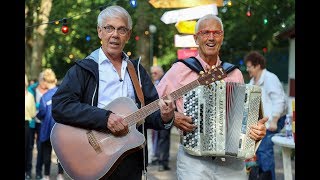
(47, 123)
(32, 81)
(30, 112)
(209, 36)
(102, 77)
(274, 102)
(37, 89)
(156, 74)
(153, 134)
(162, 137)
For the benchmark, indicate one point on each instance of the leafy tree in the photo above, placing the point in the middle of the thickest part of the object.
(242, 33)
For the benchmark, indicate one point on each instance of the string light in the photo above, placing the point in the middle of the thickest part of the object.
(88, 38)
(248, 11)
(133, 3)
(64, 28)
(265, 49)
(265, 21)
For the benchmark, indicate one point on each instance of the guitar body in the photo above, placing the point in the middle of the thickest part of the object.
(89, 154)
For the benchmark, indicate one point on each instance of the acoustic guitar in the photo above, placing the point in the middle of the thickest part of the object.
(89, 154)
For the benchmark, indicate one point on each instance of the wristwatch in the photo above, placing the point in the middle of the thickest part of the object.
(169, 124)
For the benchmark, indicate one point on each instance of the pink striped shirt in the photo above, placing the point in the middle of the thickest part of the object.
(179, 75)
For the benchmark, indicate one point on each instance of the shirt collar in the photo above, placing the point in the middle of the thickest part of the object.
(206, 65)
(103, 57)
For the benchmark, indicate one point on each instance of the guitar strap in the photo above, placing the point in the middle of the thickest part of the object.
(135, 81)
(138, 89)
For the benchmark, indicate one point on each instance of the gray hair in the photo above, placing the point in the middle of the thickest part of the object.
(208, 16)
(157, 67)
(113, 12)
(41, 76)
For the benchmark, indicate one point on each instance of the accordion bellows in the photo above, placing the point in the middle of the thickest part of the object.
(222, 112)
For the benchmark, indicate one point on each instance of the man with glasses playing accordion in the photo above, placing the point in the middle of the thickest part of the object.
(197, 164)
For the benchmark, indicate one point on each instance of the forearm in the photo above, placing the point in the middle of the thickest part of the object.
(275, 119)
(154, 121)
(80, 115)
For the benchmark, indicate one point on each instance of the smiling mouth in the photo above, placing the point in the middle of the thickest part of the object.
(211, 45)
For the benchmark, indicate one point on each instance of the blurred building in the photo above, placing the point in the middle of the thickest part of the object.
(290, 35)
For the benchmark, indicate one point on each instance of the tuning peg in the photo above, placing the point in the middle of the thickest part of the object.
(201, 72)
(213, 79)
(213, 66)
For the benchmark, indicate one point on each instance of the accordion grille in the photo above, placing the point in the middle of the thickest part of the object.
(222, 112)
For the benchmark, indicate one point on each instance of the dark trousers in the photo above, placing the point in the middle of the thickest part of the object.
(134, 173)
(33, 132)
(128, 168)
(26, 146)
(46, 154)
(265, 154)
(163, 147)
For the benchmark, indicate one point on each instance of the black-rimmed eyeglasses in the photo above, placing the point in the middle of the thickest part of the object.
(121, 30)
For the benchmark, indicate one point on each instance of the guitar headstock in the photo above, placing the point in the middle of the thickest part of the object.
(214, 74)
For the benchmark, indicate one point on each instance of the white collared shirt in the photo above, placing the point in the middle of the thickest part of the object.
(110, 86)
(274, 99)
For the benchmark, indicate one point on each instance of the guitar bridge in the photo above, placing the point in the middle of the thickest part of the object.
(93, 142)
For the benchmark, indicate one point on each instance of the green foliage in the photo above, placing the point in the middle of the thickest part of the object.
(250, 33)
(242, 33)
(166, 60)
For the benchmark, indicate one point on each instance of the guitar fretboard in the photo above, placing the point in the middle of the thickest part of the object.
(152, 107)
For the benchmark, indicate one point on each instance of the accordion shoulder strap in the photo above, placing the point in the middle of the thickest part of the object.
(194, 64)
(228, 67)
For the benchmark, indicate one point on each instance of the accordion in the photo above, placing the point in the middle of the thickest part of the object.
(222, 112)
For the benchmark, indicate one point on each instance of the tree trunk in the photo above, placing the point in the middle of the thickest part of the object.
(35, 38)
(143, 45)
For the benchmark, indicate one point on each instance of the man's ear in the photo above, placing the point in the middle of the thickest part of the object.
(99, 32)
(195, 39)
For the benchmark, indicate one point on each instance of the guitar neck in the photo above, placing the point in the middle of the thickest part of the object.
(214, 74)
(152, 107)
